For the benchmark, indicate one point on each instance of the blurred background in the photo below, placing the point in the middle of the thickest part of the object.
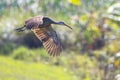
(91, 50)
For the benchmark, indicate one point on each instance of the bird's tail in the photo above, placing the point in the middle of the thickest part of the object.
(20, 29)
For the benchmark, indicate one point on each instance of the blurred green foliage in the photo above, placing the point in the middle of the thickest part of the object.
(78, 67)
(23, 53)
(89, 50)
(17, 70)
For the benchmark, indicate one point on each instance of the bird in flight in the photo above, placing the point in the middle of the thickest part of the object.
(41, 27)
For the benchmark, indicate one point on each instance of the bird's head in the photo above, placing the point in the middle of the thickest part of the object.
(47, 20)
(62, 23)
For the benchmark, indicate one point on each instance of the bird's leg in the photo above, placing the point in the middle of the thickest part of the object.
(20, 29)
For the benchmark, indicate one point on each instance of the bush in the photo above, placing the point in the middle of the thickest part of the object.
(7, 48)
(23, 53)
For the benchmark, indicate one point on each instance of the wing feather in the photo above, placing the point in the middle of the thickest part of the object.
(49, 39)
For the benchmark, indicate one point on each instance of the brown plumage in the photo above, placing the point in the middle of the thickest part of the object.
(41, 26)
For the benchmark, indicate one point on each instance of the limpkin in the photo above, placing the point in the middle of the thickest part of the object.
(41, 26)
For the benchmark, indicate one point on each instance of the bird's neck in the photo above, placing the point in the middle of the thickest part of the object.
(49, 21)
(55, 22)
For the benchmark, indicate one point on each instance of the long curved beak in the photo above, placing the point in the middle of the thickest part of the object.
(68, 26)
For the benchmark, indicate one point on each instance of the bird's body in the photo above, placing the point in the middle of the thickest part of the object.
(41, 26)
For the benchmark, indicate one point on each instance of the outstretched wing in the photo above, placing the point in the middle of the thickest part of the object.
(49, 39)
